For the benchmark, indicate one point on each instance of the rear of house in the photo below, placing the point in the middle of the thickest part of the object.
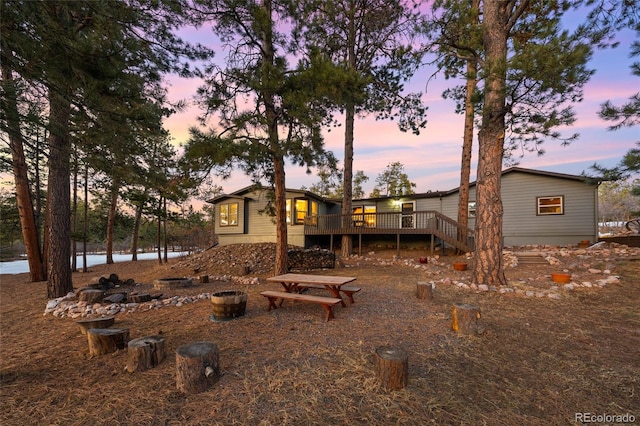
(244, 216)
(548, 208)
(539, 208)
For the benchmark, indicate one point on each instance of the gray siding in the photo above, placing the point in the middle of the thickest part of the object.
(521, 223)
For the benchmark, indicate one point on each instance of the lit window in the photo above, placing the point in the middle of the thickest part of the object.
(364, 216)
(289, 215)
(314, 213)
(302, 210)
(550, 205)
(229, 214)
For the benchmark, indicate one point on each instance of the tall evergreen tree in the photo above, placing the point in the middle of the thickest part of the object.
(530, 73)
(75, 50)
(393, 182)
(268, 108)
(375, 39)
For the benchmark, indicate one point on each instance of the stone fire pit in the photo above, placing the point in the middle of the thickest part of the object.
(170, 283)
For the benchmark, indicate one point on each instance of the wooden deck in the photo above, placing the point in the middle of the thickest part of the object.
(430, 223)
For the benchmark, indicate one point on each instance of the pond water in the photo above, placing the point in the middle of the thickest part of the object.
(22, 266)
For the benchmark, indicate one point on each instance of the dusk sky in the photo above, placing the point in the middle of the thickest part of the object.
(432, 159)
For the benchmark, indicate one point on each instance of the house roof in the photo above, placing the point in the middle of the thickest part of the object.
(241, 193)
(436, 194)
(586, 179)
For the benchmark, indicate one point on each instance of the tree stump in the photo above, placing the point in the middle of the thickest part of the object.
(105, 284)
(465, 319)
(144, 353)
(241, 271)
(424, 290)
(86, 324)
(106, 340)
(114, 298)
(91, 295)
(197, 366)
(138, 298)
(392, 367)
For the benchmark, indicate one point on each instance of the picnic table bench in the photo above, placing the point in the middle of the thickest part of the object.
(347, 290)
(327, 303)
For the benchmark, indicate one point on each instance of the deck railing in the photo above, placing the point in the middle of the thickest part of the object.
(419, 222)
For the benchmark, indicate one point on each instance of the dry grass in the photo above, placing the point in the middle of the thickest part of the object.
(539, 362)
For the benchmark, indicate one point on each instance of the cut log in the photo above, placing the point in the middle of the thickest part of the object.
(197, 366)
(86, 324)
(106, 340)
(91, 295)
(138, 298)
(144, 353)
(465, 319)
(392, 367)
(424, 291)
(114, 298)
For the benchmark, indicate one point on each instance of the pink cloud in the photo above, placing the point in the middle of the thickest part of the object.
(432, 159)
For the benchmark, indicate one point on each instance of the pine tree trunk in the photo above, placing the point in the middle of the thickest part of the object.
(488, 265)
(111, 218)
(159, 231)
(74, 214)
(28, 224)
(281, 262)
(347, 240)
(59, 201)
(347, 194)
(467, 144)
(164, 232)
(136, 228)
(85, 227)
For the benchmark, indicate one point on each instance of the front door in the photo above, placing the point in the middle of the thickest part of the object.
(407, 218)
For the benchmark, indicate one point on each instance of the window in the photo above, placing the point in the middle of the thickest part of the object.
(407, 217)
(229, 214)
(550, 205)
(364, 216)
(299, 208)
(289, 212)
(314, 213)
(472, 209)
(302, 209)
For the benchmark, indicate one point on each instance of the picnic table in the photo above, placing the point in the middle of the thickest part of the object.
(295, 283)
